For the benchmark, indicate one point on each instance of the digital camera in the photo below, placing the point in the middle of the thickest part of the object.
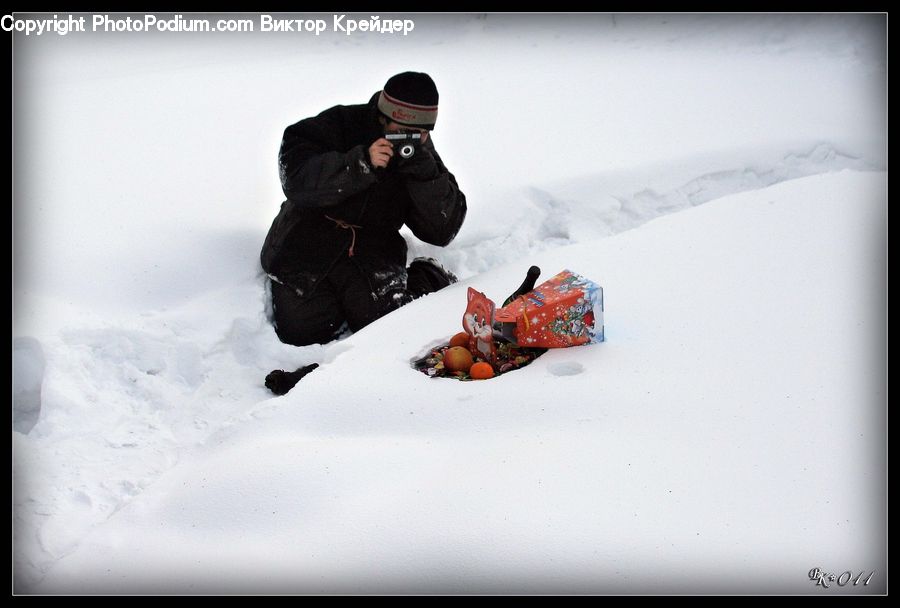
(404, 143)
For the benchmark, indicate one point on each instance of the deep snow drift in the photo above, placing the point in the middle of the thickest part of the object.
(730, 423)
(727, 436)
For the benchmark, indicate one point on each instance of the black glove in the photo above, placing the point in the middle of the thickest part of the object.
(420, 166)
(280, 382)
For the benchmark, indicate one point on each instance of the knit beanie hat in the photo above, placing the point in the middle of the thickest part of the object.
(410, 99)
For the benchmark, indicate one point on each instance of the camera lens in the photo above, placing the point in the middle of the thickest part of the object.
(407, 150)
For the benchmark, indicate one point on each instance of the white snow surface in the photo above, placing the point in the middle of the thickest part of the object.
(723, 177)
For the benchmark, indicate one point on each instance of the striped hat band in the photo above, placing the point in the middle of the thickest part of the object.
(407, 114)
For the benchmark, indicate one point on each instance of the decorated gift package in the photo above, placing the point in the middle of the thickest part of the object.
(566, 310)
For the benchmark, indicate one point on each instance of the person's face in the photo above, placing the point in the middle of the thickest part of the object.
(391, 127)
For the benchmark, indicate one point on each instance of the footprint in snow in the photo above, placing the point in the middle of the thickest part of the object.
(565, 368)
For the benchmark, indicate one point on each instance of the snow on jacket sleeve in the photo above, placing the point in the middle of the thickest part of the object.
(438, 206)
(312, 173)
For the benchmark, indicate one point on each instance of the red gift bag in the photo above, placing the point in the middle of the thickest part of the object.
(566, 310)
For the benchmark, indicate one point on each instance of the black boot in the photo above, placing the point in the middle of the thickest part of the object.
(425, 275)
(280, 381)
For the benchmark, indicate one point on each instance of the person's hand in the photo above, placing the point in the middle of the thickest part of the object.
(380, 153)
(421, 165)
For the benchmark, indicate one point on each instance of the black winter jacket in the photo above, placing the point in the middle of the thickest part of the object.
(327, 179)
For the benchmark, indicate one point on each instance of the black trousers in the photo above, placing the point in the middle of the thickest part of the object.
(350, 294)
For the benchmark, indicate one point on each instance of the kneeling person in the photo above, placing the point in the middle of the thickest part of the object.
(334, 253)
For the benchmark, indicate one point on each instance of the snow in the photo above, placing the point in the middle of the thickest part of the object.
(722, 177)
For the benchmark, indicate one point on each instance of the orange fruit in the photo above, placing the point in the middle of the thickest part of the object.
(460, 339)
(481, 371)
(458, 359)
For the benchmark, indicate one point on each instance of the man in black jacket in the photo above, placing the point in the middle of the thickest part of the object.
(334, 253)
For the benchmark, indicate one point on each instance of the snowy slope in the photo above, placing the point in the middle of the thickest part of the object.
(146, 447)
(721, 428)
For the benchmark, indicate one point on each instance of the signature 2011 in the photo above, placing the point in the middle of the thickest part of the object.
(826, 579)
